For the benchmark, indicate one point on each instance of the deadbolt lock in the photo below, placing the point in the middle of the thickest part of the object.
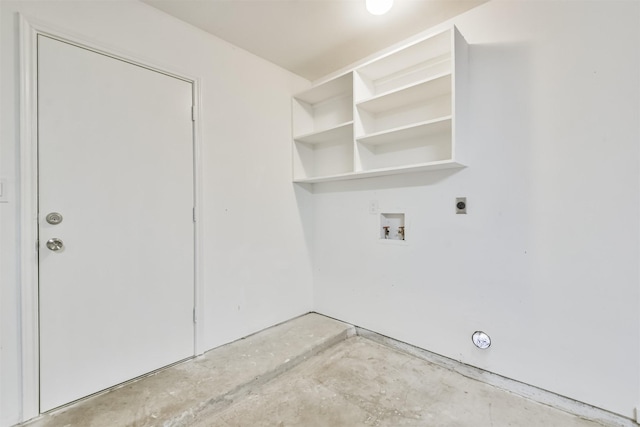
(54, 218)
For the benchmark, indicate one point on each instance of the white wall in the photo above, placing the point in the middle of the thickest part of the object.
(257, 267)
(546, 261)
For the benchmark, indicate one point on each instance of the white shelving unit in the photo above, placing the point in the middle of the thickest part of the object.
(323, 130)
(401, 112)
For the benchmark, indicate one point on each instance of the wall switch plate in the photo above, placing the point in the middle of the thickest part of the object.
(373, 207)
(461, 205)
(4, 191)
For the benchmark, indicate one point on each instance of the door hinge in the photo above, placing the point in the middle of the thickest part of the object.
(194, 214)
(194, 316)
(193, 113)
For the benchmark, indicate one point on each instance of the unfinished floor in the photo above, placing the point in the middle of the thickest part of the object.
(311, 371)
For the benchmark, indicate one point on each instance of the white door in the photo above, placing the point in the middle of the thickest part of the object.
(115, 153)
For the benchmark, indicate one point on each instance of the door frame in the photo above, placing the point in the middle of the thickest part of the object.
(29, 29)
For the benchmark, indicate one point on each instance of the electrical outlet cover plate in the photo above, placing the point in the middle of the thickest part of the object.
(481, 340)
(461, 205)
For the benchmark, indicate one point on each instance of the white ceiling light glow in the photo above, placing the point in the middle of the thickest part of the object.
(379, 7)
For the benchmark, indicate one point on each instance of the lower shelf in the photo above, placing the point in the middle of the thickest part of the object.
(422, 167)
(332, 158)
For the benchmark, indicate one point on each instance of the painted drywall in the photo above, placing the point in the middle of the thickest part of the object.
(257, 267)
(546, 260)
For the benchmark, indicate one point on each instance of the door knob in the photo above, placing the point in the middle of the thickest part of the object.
(55, 244)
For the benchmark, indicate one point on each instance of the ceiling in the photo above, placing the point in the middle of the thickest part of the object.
(312, 38)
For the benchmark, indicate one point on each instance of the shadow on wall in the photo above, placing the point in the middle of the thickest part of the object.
(500, 109)
(416, 179)
(497, 256)
(304, 200)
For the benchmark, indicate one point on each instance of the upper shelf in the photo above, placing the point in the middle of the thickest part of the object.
(366, 88)
(418, 130)
(410, 94)
(323, 108)
(332, 89)
(341, 131)
(438, 46)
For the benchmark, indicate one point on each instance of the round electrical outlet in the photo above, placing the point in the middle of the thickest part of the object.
(481, 340)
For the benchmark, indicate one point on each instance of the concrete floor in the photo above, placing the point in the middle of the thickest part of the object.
(361, 383)
(311, 371)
